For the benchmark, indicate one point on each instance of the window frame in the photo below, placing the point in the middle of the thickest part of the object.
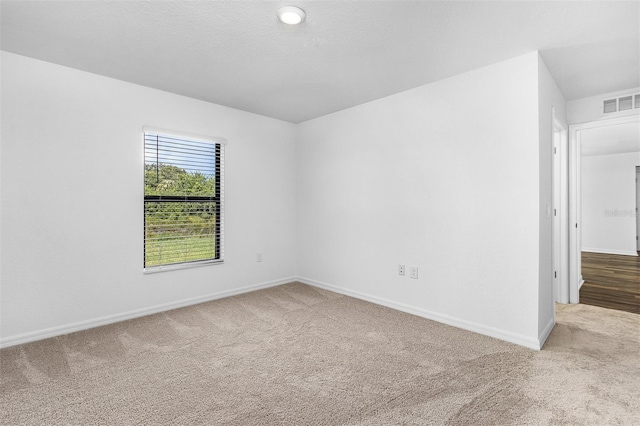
(218, 199)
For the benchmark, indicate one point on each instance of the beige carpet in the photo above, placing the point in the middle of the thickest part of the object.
(297, 355)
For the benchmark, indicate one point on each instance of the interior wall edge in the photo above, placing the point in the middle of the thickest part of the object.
(546, 331)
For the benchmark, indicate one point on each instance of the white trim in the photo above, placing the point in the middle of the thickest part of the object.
(179, 266)
(561, 206)
(110, 319)
(507, 336)
(191, 136)
(445, 319)
(547, 331)
(575, 262)
(610, 251)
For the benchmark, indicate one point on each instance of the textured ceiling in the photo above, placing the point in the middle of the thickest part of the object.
(618, 139)
(238, 54)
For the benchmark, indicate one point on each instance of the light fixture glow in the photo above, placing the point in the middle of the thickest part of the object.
(291, 15)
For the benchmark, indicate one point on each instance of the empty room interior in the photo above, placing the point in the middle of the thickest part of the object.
(319, 212)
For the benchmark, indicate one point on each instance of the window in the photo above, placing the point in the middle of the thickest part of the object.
(183, 200)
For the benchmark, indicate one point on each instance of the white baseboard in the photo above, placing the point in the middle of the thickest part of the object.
(518, 339)
(611, 251)
(110, 319)
(547, 331)
(445, 319)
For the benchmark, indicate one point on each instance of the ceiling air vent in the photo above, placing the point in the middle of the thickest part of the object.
(623, 103)
(610, 105)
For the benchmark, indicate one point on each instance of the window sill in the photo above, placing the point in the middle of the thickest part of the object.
(178, 266)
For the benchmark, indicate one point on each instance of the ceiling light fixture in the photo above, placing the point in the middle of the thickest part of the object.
(291, 15)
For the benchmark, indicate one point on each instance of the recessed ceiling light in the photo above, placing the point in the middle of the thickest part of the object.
(291, 15)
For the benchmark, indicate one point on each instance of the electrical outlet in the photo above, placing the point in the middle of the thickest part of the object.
(400, 269)
(413, 270)
(259, 257)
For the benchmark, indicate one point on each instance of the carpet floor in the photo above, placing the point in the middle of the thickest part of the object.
(298, 355)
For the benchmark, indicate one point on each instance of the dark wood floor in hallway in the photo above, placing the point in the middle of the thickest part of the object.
(611, 281)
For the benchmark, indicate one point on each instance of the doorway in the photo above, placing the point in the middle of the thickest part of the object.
(611, 227)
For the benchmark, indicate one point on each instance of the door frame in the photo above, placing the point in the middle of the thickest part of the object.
(575, 199)
(560, 215)
(638, 208)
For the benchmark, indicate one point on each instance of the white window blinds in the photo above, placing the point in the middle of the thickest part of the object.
(183, 200)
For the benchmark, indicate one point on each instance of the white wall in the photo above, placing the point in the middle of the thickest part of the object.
(72, 190)
(590, 109)
(609, 202)
(549, 99)
(445, 177)
(448, 177)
